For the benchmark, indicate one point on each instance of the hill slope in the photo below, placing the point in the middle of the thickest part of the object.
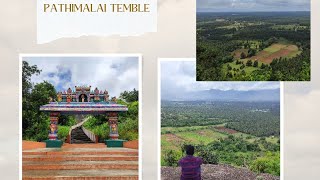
(218, 172)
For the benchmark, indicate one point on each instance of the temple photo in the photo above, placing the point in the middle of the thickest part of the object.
(80, 116)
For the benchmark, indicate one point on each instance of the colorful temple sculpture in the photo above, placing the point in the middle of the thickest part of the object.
(84, 101)
(83, 94)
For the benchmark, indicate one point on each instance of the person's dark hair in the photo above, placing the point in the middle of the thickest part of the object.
(189, 150)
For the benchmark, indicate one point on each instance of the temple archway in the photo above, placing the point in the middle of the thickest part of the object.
(69, 104)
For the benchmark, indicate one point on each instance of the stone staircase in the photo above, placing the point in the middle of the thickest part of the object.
(80, 163)
(79, 137)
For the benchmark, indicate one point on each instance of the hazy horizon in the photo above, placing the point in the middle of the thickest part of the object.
(209, 11)
(178, 82)
(253, 5)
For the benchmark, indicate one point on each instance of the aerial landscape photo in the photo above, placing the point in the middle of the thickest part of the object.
(234, 127)
(253, 40)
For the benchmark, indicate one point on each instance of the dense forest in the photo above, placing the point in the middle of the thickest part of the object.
(256, 118)
(253, 46)
(35, 123)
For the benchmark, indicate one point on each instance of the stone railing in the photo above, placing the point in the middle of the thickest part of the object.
(90, 134)
(73, 127)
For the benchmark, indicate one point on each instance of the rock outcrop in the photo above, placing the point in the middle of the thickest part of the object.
(218, 172)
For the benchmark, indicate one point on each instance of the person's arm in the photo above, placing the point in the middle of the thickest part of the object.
(200, 161)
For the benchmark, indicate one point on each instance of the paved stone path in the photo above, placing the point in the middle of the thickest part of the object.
(78, 161)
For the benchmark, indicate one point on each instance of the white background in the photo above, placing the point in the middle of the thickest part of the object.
(176, 38)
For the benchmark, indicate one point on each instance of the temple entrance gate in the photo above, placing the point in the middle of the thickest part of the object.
(73, 102)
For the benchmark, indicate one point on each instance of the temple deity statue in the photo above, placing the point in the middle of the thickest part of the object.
(69, 91)
(69, 98)
(69, 95)
(96, 95)
(106, 96)
(59, 97)
(114, 129)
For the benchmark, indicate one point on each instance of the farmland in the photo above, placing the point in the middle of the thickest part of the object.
(253, 46)
(234, 133)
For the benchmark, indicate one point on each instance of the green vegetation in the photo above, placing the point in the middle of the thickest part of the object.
(35, 124)
(241, 134)
(128, 122)
(228, 50)
(246, 117)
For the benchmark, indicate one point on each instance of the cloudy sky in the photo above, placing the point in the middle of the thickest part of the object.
(180, 76)
(116, 74)
(252, 5)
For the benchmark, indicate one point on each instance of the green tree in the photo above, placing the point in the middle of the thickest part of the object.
(34, 122)
(243, 55)
(251, 52)
(130, 96)
(27, 72)
(249, 63)
(255, 64)
(229, 67)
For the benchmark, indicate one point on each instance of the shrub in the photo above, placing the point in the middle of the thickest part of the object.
(270, 163)
(207, 154)
(171, 157)
(63, 132)
(249, 63)
(129, 129)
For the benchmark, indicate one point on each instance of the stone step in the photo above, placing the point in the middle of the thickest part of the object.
(79, 166)
(79, 137)
(98, 174)
(80, 158)
(79, 155)
(79, 162)
(135, 153)
(81, 141)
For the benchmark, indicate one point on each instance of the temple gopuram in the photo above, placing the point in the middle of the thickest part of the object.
(83, 100)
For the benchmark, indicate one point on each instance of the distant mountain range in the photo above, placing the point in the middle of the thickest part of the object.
(219, 95)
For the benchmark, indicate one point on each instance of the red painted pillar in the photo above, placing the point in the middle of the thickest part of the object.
(113, 123)
(53, 131)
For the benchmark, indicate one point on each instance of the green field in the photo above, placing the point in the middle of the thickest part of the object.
(265, 56)
(292, 27)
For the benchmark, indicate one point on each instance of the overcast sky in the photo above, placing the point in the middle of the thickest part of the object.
(252, 5)
(115, 74)
(180, 76)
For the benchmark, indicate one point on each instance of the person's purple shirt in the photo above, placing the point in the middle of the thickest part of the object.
(190, 168)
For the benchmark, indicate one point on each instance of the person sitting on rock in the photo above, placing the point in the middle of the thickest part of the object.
(190, 165)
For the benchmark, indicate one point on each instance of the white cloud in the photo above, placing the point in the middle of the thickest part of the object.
(114, 74)
(181, 76)
(254, 5)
